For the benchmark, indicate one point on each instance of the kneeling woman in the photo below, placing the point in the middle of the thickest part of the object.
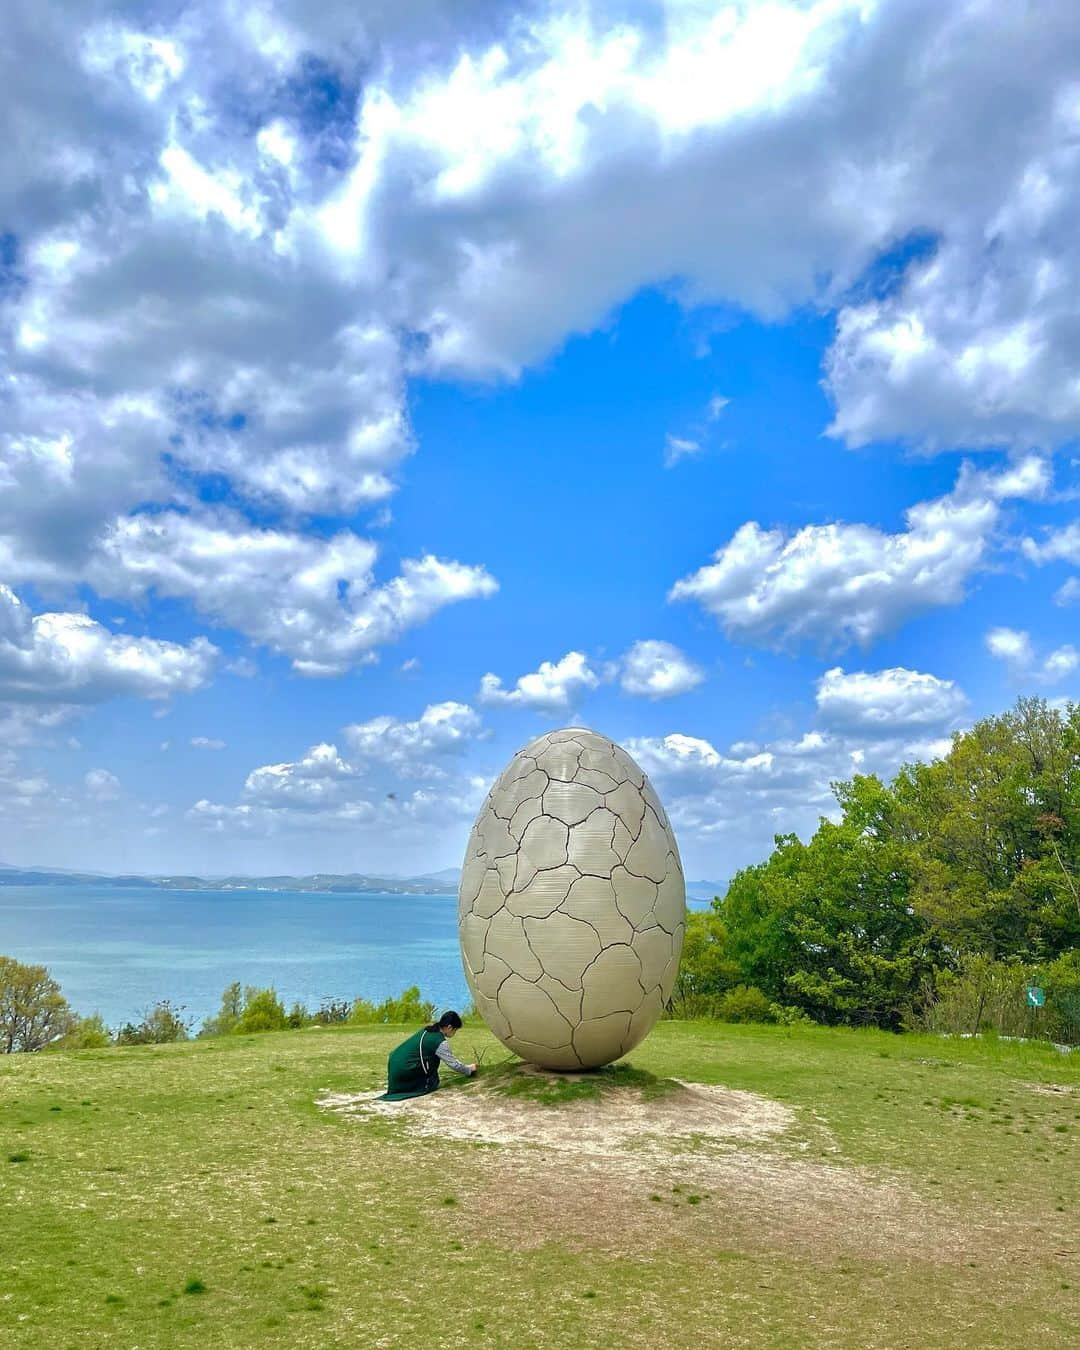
(413, 1068)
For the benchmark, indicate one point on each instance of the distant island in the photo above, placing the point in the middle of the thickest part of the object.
(438, 883)
(444, 882)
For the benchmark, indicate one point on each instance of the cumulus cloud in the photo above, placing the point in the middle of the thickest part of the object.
(842, 583)
(340, 790)
(1061, 545)
(1014, 647)
(887, 703)
(658, 669)
(553, 688)
(312, 782)
(313, 599)
(324, 790)
(442, 729)
(68, 658)
(193, 297)
(102, 786)
(734, 802)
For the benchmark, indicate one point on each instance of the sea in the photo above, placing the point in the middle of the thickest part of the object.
(117, 951)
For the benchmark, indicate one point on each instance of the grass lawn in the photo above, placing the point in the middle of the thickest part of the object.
(895, 1191)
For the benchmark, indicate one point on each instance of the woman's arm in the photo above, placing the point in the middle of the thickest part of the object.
(451, 1060)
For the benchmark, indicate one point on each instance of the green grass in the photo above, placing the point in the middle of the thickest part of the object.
(137, 1214)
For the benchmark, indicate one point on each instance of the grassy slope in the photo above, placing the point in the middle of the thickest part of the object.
(139, 1170)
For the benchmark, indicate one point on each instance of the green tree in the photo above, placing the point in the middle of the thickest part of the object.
(33, 1012)
(706, 971)
(228, 1015)
(994, 834)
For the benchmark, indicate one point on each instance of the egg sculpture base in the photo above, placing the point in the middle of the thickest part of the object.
(572, 904)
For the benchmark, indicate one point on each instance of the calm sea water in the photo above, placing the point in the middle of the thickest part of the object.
(118, 951)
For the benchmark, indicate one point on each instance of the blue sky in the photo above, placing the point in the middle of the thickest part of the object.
(380, 393)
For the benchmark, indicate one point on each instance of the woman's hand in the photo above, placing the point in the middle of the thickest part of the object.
(472, 1070)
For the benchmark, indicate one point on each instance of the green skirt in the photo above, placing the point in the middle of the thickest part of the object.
(402, 1088)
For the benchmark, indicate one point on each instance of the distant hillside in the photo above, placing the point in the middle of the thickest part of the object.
(705, 890)
(444, 882)
(351, 883)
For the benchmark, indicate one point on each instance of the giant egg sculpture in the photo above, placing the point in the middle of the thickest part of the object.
(572, 903)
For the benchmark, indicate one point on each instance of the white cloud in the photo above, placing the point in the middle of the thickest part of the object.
(553, 688)
(102, 786)
(731, 805)
(323, 790)
(887, 703)
(658, 670)
(68, 658)
(206, 743)
(202, 294)
(314, 782)
(842, 583)
(315, 600)
(1068, 593)
(442, 729)
(679, 447)
(693, 442)
(1061, 545)
(1008, 644)
(1014, 647)
(716, 406)
(323, 783)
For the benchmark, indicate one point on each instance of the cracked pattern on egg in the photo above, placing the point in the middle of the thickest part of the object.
(572, 905)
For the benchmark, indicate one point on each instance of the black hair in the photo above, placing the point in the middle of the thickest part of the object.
(448, 1019)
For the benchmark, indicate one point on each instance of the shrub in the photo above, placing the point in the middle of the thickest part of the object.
(86, 1033)
(333, 1012)
(987, 997)
(744, 1003)
(298, 1016)
(979, 995)
(407, 1007)
(1061, 981)
(263, 1011)
(160, 1025)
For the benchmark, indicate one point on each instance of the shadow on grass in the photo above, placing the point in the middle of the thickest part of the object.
(519, 1080)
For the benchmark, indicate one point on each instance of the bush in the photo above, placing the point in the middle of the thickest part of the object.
(979, 995)
(33, 1012)
(987, 997)
(263, 1011)
(160, 1025)
(745, 1003)
(333, 1012)
(86, 1033)
(407, 1007)
(1061, 981)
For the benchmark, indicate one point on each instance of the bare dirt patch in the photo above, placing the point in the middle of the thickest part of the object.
(620, 1120)
(707, 1166)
